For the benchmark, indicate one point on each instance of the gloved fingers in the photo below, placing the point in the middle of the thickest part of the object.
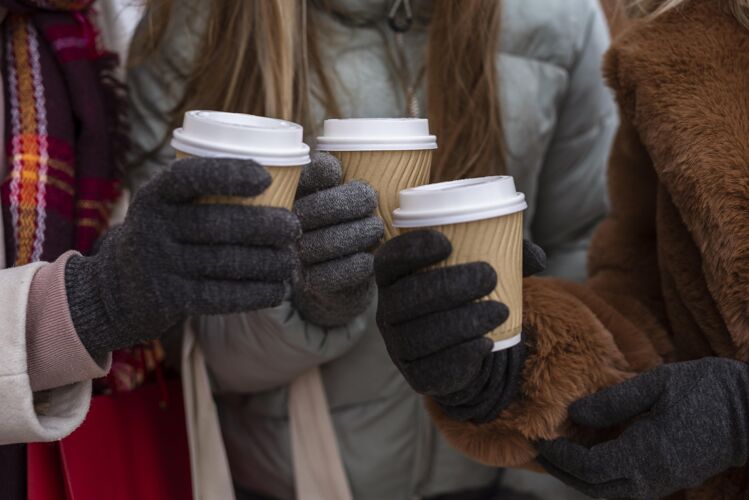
(599, 464)
(351, 201)
(211, 297)
(334, 276)
(340, 240)
(534, 259)
(324, 172)
(408, 253)
(192, 178)
(449, 370)
(436, 290)
(234, 224)
(607, 489)
(619, 403)
(429, 334)
(227, 262)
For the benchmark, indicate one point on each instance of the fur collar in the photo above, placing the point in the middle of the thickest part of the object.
(683, 82)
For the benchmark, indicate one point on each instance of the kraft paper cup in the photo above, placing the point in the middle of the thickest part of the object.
(391, 154)
(483, 218)
(275, 144)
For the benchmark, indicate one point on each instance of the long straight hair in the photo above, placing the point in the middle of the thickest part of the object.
(259, 57)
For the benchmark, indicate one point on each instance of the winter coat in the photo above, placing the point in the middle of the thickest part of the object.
(27, 415)
(34, 355)
(670, 265)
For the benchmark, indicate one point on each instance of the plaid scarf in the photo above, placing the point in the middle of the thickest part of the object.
(64, 130)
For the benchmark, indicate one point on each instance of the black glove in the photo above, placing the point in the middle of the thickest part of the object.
(339, 227)
(173, 258)
(690, 424)
(435, 330)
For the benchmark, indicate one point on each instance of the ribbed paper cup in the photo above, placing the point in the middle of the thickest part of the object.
(275, 144)
(391, 154)
(483, 218)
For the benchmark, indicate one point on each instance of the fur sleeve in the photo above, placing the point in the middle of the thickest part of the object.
(571, 354)
(623, 255)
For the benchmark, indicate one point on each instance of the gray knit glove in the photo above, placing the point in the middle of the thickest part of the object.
(173, 258)
(336, 282)
(689, 422)
(435, 327)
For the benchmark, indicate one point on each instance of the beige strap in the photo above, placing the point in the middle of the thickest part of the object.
(211, 477)
(318, 468)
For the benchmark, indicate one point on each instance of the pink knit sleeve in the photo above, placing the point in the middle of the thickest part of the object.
(56, 356)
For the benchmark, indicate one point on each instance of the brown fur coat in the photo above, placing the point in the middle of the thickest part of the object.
(670, 266)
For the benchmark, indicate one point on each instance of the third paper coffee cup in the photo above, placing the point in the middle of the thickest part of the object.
(276, 144)
(483, 218)
(391, 154)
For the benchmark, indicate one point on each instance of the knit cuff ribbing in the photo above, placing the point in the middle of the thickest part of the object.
(55, 355)
(499, 390)
(92, 321)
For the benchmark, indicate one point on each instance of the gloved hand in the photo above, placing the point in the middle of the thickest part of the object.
(173, 258)
(336, 282)
(690, 423)
(434, 328)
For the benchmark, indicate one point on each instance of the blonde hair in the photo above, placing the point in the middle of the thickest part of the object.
(265, 55)
(649, 9)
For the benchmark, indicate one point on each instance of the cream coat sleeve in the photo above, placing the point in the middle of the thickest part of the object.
(26, 416)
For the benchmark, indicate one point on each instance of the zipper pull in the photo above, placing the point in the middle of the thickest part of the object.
(400, 23)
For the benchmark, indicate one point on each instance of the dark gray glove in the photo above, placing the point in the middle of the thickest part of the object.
(435, 330)
(173, 258)
(336, 282)
(690, 424)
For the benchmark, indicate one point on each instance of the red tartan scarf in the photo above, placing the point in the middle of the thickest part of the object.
(64, 129)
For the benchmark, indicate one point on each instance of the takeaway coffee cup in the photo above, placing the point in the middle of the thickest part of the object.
(483, 218)
(391, 154)
(275, 144)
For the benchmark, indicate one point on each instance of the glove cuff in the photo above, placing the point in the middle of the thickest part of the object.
(331, 311)
(510, 373)
(498, 390)
(93, 322)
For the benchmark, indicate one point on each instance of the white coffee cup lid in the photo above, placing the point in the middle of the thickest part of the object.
(268, 141)
(376, 134)
(456, 202)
